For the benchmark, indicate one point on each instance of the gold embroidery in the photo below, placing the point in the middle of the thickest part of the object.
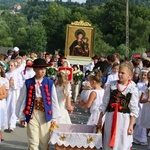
(53, 126)
(90, 139)
(62, 138)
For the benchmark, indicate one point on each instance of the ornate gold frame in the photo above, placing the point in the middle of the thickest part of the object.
(70, 37)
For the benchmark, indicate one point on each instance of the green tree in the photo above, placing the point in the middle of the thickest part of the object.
(36, 37)
(6, 39)
(55, 20)
(21, 38)
(15, 21)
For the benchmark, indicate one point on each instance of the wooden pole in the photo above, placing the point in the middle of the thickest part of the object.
(127, 28)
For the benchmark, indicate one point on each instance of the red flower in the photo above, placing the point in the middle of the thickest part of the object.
(48, 102)
(47, 98)
(31, 87)
(46, 86)
(47, 94)
(46, 90)
(29, 100)
(29, 95)
(30, 91)
(49, 112)
(28, 107)
(29, 103)
(26, 112)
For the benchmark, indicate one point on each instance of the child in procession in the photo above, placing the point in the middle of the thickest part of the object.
(139, 135)
(95, 98)
(15, 83)
(39, 106)
(120, 101)
(63, 89)
(114, 75)
(4, 87)
(145, 100)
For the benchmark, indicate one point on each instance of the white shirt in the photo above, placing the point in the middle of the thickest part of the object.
(21, 103)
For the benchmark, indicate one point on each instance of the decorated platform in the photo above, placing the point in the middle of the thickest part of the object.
(76, 137)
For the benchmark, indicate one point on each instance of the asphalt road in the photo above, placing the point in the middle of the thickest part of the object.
(18, 139)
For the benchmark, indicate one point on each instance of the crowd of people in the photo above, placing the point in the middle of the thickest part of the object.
(116, 92)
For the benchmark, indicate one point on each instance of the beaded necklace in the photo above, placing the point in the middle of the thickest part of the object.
(124, 88)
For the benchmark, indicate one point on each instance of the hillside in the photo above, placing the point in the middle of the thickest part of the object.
(11, 2)
(145, 3)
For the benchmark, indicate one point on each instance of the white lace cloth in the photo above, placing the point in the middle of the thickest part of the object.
(76, 135)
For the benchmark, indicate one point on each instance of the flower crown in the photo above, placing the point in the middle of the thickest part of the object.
(92, 73)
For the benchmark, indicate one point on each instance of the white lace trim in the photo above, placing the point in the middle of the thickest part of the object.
(76, 135)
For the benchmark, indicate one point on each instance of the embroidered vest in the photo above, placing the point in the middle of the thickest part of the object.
(122, 100)
(46, 90)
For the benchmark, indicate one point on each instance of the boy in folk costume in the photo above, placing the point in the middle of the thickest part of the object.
(38, 105)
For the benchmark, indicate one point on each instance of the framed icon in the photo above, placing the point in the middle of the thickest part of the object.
(79, 42)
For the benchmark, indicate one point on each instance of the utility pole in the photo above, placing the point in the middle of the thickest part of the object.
(127, 28)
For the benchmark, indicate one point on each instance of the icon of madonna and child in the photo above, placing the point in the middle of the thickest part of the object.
(80, 47)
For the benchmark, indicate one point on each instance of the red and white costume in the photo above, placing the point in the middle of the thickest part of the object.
(119, 103)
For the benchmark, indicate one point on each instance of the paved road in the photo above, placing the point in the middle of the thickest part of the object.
(18, 139)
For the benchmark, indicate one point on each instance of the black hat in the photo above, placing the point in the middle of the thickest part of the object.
(39, 62)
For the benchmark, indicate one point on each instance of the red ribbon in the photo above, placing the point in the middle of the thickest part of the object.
(114, 123)
(38, 83)
(27, 65)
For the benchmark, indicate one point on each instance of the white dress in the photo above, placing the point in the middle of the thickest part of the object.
(145, 119)
(139, 131)
(3, 110)
(112, 77)
(94, 109)
(85, 93)
(12, 97)
(123, 141)
(65, 118)
(29, 73)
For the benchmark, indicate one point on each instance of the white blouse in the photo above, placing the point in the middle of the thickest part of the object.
(133, 105)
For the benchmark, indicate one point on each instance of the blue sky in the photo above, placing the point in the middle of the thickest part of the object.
(79, 1)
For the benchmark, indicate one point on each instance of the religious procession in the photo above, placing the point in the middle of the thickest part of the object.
(74, 75)
(41, 92)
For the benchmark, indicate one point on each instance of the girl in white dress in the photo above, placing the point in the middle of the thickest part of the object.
(4, 86)
(145, 99)
(28, 72)
(114, 75)
(86, 88)
(139, 131)
(20, 65)
(63, 90)
(120, 103)
(15, 81)
(95, 98)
